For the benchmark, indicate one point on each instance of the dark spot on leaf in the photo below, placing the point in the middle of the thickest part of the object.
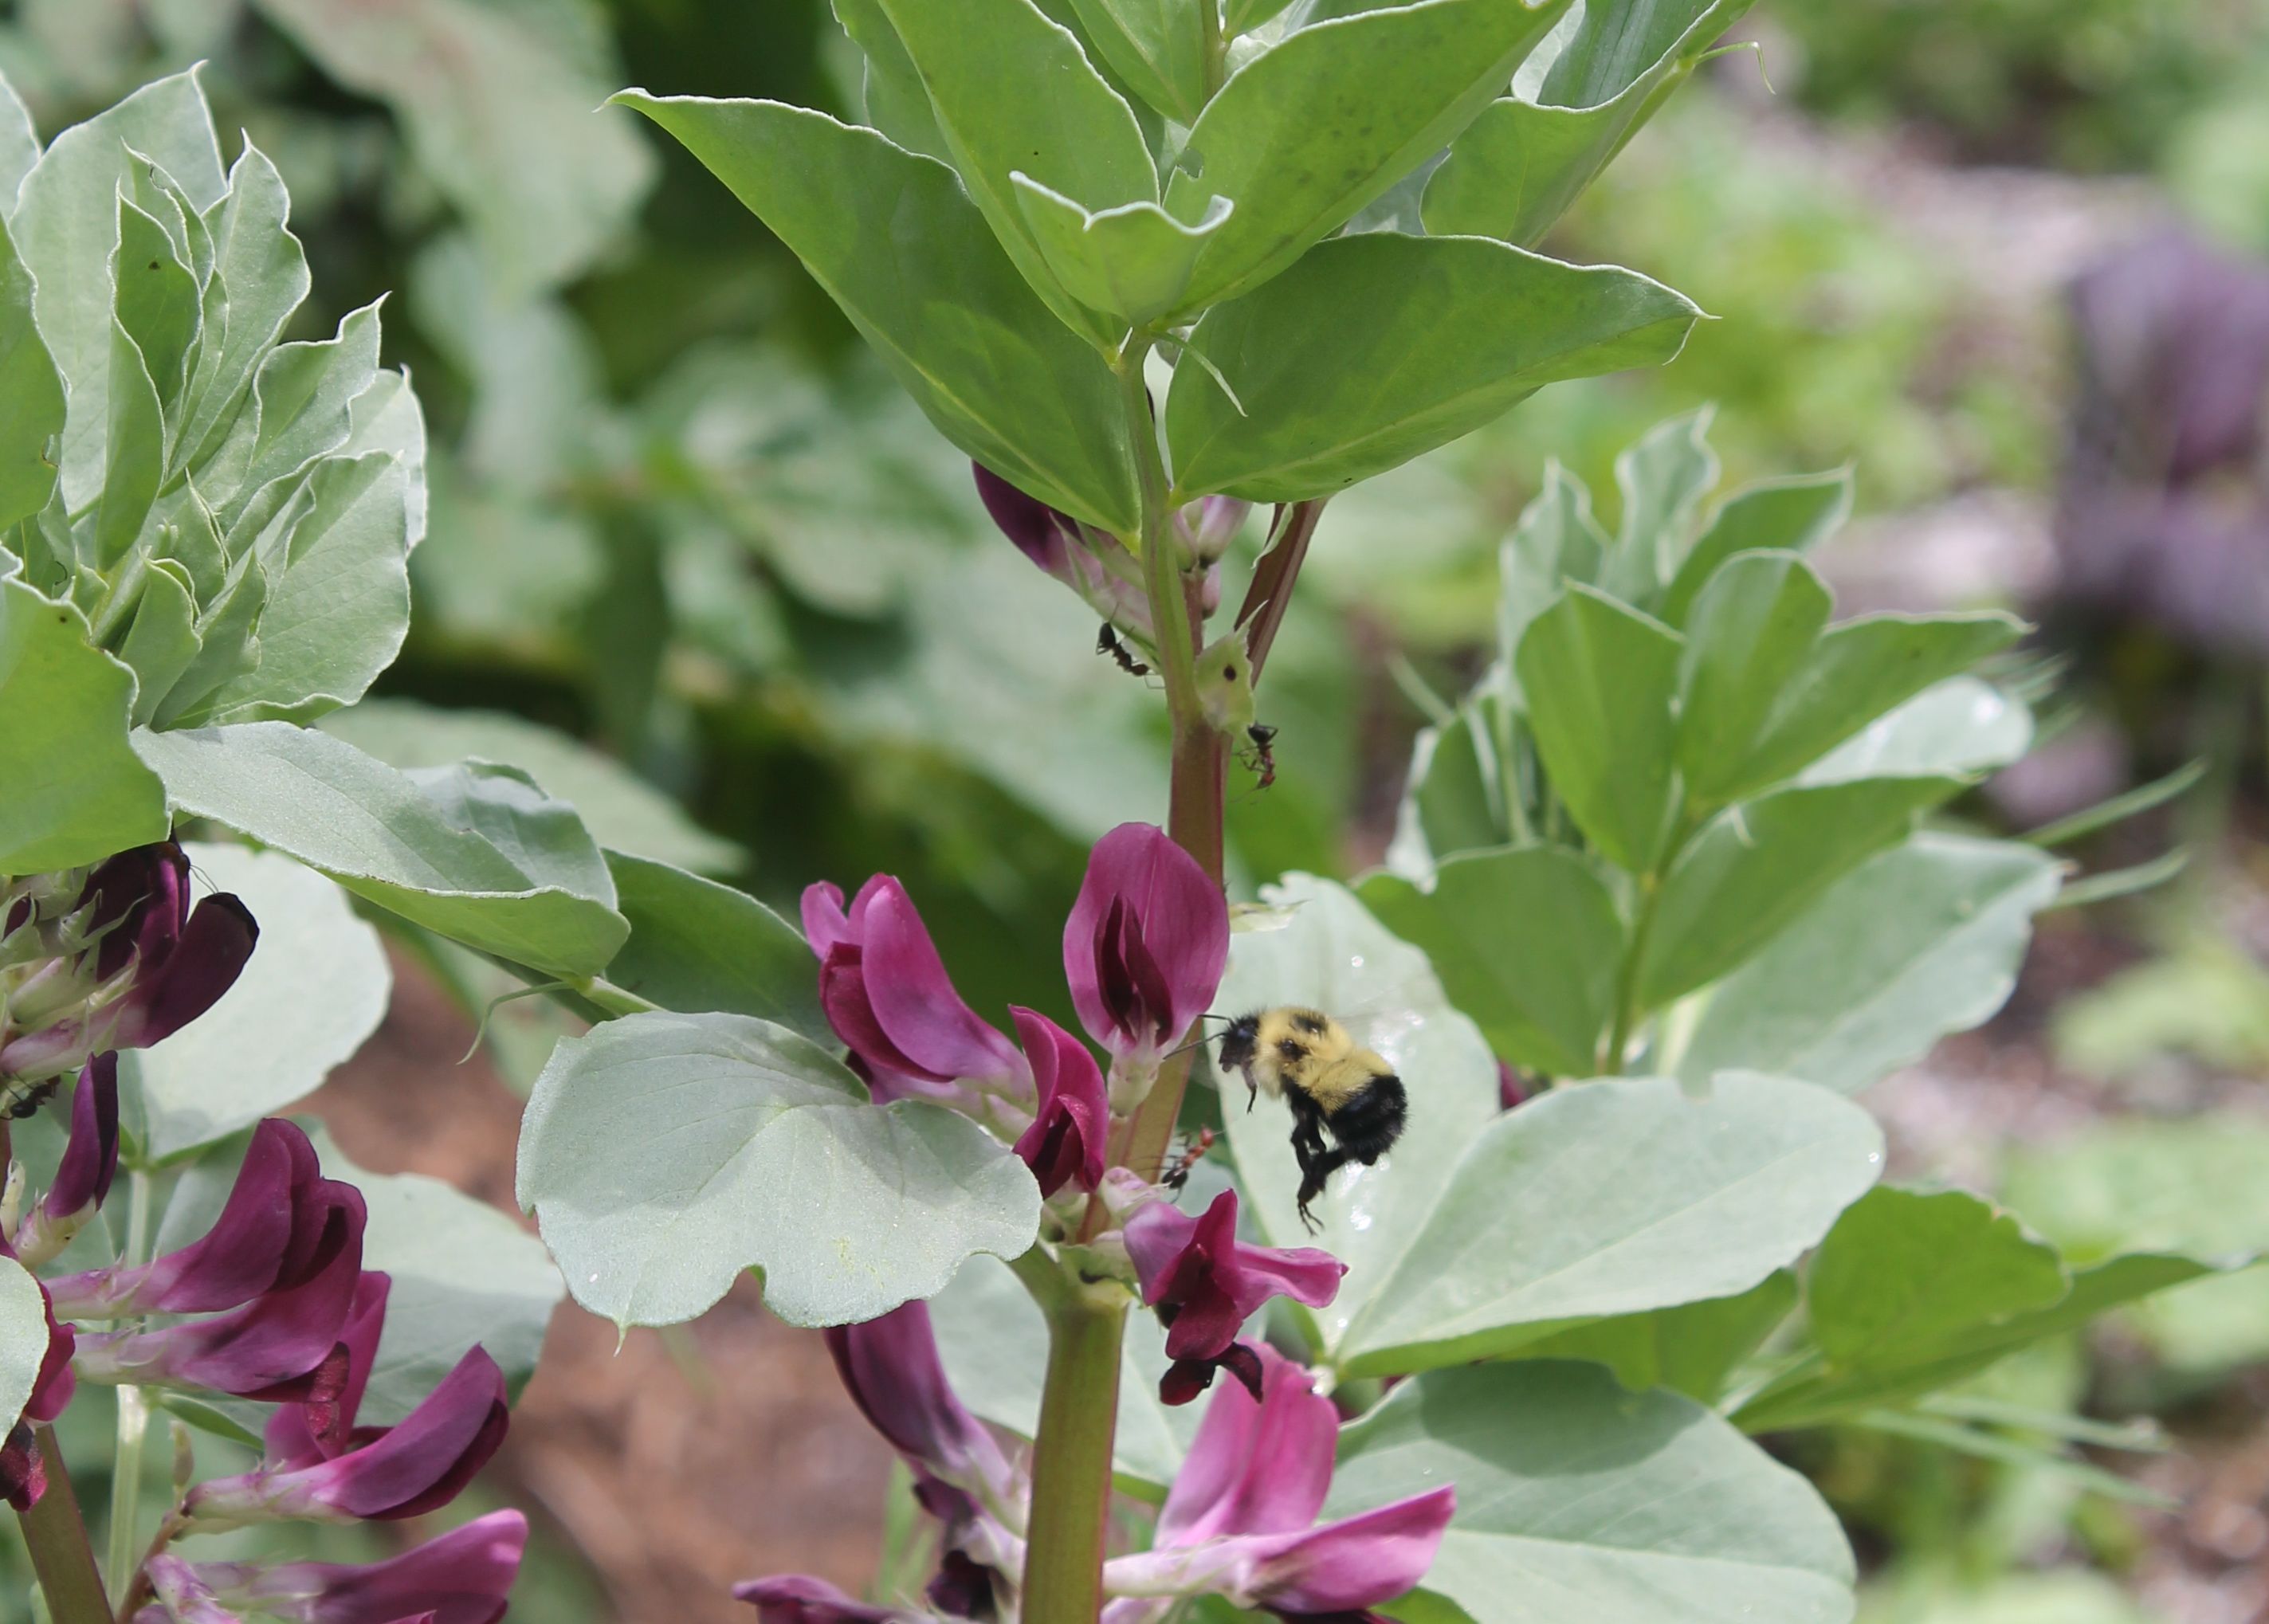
(1228, 674)
(153, 264)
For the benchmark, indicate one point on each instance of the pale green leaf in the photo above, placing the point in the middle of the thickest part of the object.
(479, 855)
(896, 103)
(697, 945)
(1918, 941)
(23, 1338)
(1307, 134)
(1158, 46)
(1555, 542)
(915, 268)
(1132, 262)
(162, 641)
(1751, 630)
(1961, 728)
(19, 146)
(1581, 1504)
(263, 274)
(31, 392)
(1691, 1349)
(1791, 514)
(663, 1153)
(1432, 338)
(1662, 479)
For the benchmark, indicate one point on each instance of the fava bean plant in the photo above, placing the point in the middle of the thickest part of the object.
(1665, 891)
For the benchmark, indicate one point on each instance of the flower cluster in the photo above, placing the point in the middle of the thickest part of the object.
(1143, 952)
(1239, 1521)
(272, 1304)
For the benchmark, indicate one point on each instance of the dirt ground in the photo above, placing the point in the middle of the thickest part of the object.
(723, 1450)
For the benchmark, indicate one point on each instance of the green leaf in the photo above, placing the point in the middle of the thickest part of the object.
(1528, 156)
(76, 792)
(2119, 808)
(1526, 940)
(1307, 134)
(1158, 46)
(1432, 338)
(1555, 542)
(316, 987)
(622, 810)
(1332, 955)
(915, 268)
(66, 226)
(1752, 868)
(1791, 514)
(31, 394)
(1600, 679)
(1613, 1197)
(158, 303)
(1451, 801)
(23, 1338)
(994, 1343)
(1691, 1349)
(897, 105)
(1662, 479)
(1917, 941)
(1132, 262)
(478, 855)
(1580, 1503)
(1961, 728)
(1244, 16)
(261, 268)
(1751, 632)
(305, 394)
(162, 643)
(663, 1153)
(19, 144)
(697, 945)
(134, 452)
(1903, 1270)
(1063, 127)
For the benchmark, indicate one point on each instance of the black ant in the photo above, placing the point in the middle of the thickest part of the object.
(1178, 1174)
(1107, 642)
(1261, 758)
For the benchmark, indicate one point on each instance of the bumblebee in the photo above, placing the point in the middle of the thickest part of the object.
(1315, 1066)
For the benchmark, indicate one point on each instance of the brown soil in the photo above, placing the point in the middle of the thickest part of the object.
(717, 1451)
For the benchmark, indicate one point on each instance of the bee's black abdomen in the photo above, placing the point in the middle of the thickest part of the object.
(1236, 1041)
(1368, 1125)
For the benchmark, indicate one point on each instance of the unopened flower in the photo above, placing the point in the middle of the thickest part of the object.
(1238, 1521)
(462, 1577)
(402, 1471)
(1145, 945)
(1208, 525)
(888, 997)
(1094, 565)
(1064, 1145)
(891, 1370)
(127, 962)
(282, 1225)
(83, 1176)
(1205, 1283)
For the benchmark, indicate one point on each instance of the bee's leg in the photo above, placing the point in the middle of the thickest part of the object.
(1314, 1172)
(1252, 1091)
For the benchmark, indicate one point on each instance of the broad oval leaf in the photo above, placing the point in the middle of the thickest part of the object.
(895, 242)
(1751, 630)
(76, 790)
(1526, 940)
(1693, 1348)
(663, 1153)
(1307, 134)
(1600, 679)
(1917, 941)
(1581, 1504)
(477, 853)
(697, 945)
(315, 988)
(1158, 46)
(23, 1338)
(1132, 260)
(1961, 728)
(1527, 156)
(1611, 1198)
(1377, 347)
(1794, 514)
(1662, 477)
(31, 394)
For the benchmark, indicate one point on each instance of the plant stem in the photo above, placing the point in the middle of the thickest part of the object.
(1288, 554)
(1683, 823)
(133, 1413)
(61, 1559)
(1071, 1462)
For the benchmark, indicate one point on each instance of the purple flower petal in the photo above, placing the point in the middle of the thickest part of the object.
(1146, 943)
(462, 1577)
(322, 1427)
(83, 1176)
(793, 1598)
(425, 1462)
(1205, 1283)
(23, 1471)
(914, 1001)
(1041, 533)
(138, 900)
(891, 1370)
(1346, 1566)
(1256, 1467)
(212, 951)
(1065, 1143)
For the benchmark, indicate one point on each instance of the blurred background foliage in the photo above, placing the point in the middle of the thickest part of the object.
(679, 516)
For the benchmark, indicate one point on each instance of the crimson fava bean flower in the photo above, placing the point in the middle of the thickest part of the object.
(462, 1577)
(90, 1159)
(793, 1598)
(402, 1471)
(1065, 1143)
(889, 998)
(1205, 1283)
(1096, 566)
(1146, 943)
(128, 961)
(1239, 1520)
(890, 1367)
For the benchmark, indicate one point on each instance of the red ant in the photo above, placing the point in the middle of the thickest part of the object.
(1261, 758)
(1175, 1175)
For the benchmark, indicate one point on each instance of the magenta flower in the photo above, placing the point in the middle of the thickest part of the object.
(1146, 943)
(284, 1223)
(1205, 1283)
(321, 1426)
(23, 1473)
(134, 962)
(1094, 565)
(1239, 1519)
(890, 1367)
(90, 1159)
(793, 1598)
(283, 1344)
(1065, 1143)
(402, 1471)
(889, 998)
(462, 1577)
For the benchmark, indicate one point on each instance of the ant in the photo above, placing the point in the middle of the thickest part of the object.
(1107, 642)
(1178, 1174)
(1261, 758)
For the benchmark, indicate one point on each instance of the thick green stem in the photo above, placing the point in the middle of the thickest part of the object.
(63, 1560)
(1683, 823)
(1071, 1460)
